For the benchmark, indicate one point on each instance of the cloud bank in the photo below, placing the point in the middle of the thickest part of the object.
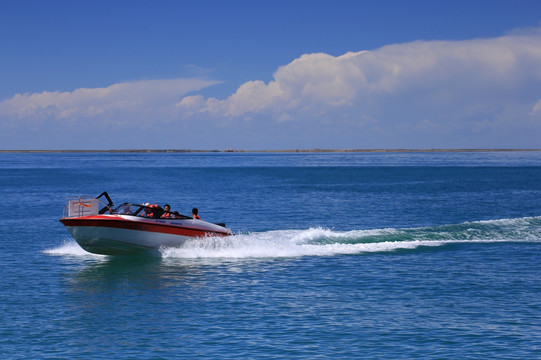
(423, 94)
(415, 89)
(123, 98)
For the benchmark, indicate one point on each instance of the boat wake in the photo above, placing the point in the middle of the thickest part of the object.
(328, 242)
(70, 248)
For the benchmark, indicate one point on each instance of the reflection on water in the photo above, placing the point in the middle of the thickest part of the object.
(142, 272)
(124, 290)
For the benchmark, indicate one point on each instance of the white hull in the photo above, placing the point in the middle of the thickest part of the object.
(111, 241)
(125, 234)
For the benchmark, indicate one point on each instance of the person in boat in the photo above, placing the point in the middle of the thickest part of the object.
(166, 212)
(195, 214)
(147, 212)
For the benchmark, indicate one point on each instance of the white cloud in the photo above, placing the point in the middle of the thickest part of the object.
(123, 98)
(422, 82)
(536, 108)
(474, 93)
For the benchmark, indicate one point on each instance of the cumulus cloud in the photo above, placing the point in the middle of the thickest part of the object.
(447, 84)
(122, 98)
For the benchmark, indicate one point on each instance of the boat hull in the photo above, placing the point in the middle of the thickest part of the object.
(122, 234)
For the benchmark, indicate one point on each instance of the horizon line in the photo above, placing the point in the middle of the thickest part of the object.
(316, 150)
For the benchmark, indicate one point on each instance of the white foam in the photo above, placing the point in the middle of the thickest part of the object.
(327, 235)
(70, 248)
(290, 243)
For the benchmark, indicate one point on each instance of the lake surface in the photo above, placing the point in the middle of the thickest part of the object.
(337, 256)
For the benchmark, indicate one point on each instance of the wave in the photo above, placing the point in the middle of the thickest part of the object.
(329, 242)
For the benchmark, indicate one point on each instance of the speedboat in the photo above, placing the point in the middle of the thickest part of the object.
(102, 228)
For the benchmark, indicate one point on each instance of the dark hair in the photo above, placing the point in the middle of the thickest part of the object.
(195, 211)
(167, 205)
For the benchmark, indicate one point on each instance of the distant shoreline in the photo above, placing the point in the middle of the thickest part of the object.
(158, 151)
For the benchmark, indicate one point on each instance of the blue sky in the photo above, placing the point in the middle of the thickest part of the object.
(270, 74)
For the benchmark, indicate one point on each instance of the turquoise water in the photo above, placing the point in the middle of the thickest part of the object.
(351, 256)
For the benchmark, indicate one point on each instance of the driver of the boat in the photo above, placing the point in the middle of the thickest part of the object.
(147, 212)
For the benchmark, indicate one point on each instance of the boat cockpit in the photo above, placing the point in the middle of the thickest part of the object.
(87, 206)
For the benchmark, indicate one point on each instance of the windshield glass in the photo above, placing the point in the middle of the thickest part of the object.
(128, 209)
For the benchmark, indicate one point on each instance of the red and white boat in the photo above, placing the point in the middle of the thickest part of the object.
(101, 228)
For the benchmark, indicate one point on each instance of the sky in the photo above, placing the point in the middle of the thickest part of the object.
(268, 75)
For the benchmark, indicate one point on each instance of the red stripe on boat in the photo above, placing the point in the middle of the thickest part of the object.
(119, 223)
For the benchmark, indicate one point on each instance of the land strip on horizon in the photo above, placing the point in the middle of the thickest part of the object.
(262, 151)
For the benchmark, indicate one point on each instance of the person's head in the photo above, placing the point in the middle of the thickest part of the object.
(166, 207)
(195, 211)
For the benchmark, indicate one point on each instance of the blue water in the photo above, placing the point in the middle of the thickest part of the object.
(337, 256)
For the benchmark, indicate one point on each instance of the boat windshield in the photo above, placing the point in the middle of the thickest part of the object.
(147, 211)
(128, 209)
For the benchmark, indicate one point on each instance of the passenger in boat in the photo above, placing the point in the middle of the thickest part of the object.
(166, 212)
(147, 212)
(194, 214)
(144, 212)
